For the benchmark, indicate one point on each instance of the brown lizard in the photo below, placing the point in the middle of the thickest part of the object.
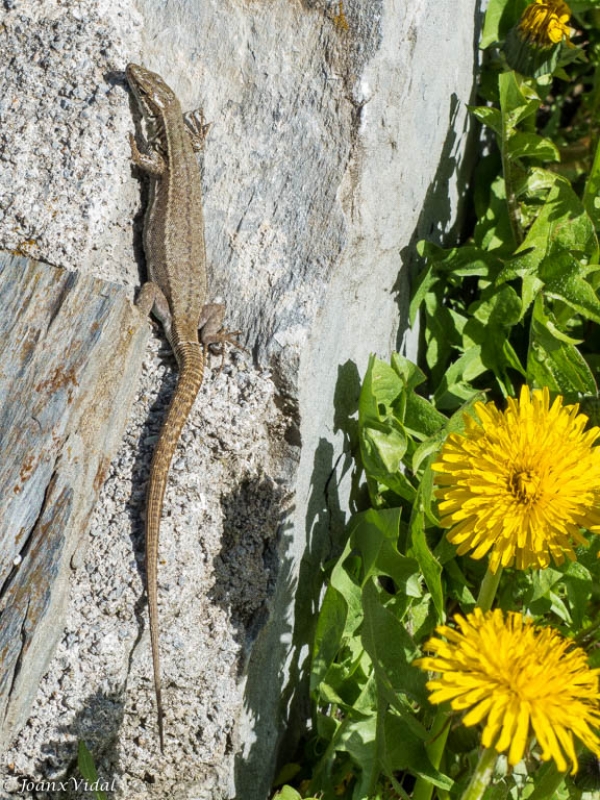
(176, 291)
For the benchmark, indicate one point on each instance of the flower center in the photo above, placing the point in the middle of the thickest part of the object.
(524, 485)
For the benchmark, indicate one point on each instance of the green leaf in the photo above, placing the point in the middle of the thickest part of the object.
(500, 16)
(441, 333)
(431, 446)
(328, 636)
(518, 100)
(288, 793)
(531, 145)
(591, 194)
(87, 768)
(376, 538)
(380, 390)
(555, 364)
(488, 115)
(532, 62)
(419, 549)
(493, 231)
(383, 440)
(456, 386)
(500, 308)
(383, 448)
(562, 224)
(421, 418)
(340, 617)
(539, 181)
(358, 738)
(355, 735)
(562, 275)
(409, 373)
(461, 262)
(579, 584)
(542, 581)
(559, 335)
(422, 286)
(391, 650)
(402, 749)
(391, 417)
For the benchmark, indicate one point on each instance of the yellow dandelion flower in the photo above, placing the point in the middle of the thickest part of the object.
(521, 483)
(544, 23)
(520, 682)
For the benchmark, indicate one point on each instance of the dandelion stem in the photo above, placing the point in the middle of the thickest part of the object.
(512, 204)
(482, 775)
(488, 588)
(435, 750)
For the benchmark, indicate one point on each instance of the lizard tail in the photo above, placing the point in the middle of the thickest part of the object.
(190, 357)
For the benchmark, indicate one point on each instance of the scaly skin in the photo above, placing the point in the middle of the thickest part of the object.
(176, 291)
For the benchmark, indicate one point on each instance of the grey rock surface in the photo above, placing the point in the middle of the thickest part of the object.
(338, 138)
(70, 349)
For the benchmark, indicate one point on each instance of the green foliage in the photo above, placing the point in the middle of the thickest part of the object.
(516, 303)
(87, 768)
(387, 591)
(532, 266)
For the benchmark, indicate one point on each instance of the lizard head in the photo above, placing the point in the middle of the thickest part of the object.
(150, 90)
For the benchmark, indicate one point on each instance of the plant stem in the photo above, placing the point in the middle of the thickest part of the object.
(482, 775)
(488, 588)
(435, 750)
(514, 213)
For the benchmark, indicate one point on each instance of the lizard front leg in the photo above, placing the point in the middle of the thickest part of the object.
(150, 161)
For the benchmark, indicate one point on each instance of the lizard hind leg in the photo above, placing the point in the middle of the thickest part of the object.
(152, 300)
(211, 332)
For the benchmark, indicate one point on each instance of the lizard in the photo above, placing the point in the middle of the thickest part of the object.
(176, 293)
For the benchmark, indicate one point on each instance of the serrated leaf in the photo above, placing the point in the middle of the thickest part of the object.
(562, 224)
(423, 283)
(531, 145)
(376, 538)
(540, 180)
(488, 115)
(579, 584)
(518, 100)
(420, 550)
(591, 194)
(358, 738)
(493, 231)
(340, 616)
(382, 449)
(562, 276)
(455, 388)
(288, 793)
(441, 334)
(391, 650)
(558, 334)
(555, 364)
(421, 418)
(409, 373)
(502, 308)
(381, 387)
(402, 749)
(462, 262)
